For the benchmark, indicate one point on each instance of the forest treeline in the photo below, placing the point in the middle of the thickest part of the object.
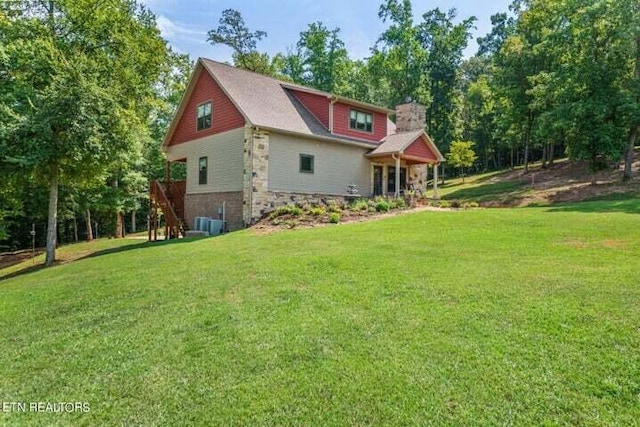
(88, 88)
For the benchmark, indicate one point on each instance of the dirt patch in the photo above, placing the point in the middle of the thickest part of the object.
(7, 259)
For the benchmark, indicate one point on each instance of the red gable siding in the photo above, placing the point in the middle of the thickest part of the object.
(317, 104)
(225, 115)
(419, 148)
(341, 123)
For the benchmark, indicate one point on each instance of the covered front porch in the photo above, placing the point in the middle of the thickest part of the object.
(401, 163)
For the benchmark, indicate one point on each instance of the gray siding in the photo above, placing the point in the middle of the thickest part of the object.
(225, 161)
(335, 166)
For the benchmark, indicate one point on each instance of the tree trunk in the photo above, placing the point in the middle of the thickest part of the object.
(527, 142)
(52, 224)
(89, 230)
(75, 227)
(512, 154)
(119, 225)
(550, 152)
(544, 155)
(133, 221)
(628, 157)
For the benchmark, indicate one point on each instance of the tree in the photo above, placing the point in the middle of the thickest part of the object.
(76, 82)
(320, 60)
(461, 155)
(233, 32)
(444, 43)
(398, 59)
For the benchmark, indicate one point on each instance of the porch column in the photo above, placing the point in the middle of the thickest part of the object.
(397, 176)
(435, 181)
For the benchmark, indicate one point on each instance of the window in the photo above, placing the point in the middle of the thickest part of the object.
(359, 120)
(306, 163)
(202, 171)
(204, 116)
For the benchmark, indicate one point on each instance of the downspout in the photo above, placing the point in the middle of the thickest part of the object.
(250, 219)
(333, 100)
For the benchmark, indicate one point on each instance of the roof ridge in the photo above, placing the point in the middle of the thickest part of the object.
(244, 70)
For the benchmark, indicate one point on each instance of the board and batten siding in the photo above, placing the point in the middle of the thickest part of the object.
(335, 166)
(224, 152)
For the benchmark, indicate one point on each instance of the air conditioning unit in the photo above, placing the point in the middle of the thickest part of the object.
(214, 227)
(201, 223)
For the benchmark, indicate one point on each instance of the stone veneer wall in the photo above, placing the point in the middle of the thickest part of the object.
(411, 116)
(273, 199)
(418, 175)
(256, 174)
(207, 204)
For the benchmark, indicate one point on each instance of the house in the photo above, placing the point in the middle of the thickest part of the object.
(251, 143)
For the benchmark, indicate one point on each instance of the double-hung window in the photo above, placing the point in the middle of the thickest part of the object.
(360, 120)
(204, 116)
(202, 170)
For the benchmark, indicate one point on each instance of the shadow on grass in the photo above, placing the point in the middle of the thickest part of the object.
(99, 253)
(612, 203)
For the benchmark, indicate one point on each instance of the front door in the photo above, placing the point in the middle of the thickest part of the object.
(377, 180)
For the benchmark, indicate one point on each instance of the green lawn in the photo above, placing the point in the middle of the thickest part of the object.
(486, 187)
(481, 317)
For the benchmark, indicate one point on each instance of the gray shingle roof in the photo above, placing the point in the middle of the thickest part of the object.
(266, 102)
(396, 142)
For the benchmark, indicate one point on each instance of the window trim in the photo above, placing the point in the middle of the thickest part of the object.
(366, 114)
(210, 102)
(313, 163)
(206, 170)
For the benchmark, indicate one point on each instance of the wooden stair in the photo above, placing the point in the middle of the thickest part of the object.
(167, 198)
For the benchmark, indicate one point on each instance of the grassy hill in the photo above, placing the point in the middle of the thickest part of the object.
(496, 316)
(563, 182)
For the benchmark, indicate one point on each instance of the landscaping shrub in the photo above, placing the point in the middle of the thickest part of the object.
(317, 211)
(334, 218)
(359, 205)
(455, 204)
(334, 207)
(444, 204)
(382, 206)
(286, 210)
(398, 203)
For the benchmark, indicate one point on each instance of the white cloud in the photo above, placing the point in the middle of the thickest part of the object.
(175, 31)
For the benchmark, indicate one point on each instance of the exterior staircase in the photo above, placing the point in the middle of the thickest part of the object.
(168, 198)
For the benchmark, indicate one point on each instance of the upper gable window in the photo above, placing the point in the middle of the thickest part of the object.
(360, 120)
(204, 116)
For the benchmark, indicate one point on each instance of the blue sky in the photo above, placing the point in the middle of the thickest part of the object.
(184, 24)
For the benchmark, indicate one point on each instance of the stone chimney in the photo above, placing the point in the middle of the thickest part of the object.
(410, 116)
